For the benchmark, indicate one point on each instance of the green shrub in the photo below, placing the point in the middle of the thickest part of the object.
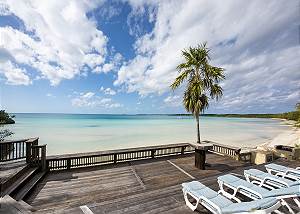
(5, 118)
(5, 133)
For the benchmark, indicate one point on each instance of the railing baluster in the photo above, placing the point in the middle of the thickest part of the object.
(116, 156)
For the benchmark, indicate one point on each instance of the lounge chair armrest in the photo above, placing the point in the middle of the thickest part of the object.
(203, 199)
(290, 173)
(264, 181)
(248, 190)
(293, 171)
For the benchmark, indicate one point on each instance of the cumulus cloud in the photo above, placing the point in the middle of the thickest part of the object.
(111, 66)
(108, 91)
(14, 75)
(141, 11)
(89, 99)
(109, 10)
(107, 67)
(58, 39)
(87, 95)
(256, 42)
(173, 101)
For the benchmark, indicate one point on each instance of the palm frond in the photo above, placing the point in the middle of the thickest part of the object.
(216, 91)
(178, 81)
(202, 77)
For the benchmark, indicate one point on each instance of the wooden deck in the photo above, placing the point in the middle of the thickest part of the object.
(8, 170)
(149, 186)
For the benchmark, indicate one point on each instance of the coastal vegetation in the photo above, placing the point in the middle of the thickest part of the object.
(5, 133)
(202, 81)
(5, 118)
(292, 115)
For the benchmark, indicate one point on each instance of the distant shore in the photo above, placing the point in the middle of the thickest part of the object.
(72, 133)
(285, 116)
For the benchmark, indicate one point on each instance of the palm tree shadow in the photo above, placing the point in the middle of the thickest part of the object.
(219, 167)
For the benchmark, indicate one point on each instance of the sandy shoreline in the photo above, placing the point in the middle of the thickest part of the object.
(287, 138)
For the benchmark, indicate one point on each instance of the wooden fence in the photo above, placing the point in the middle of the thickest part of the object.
(230, 151)
(28, 149)
(115, 156)
(35, 154)
(12, 150)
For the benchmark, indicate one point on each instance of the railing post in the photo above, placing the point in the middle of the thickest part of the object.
(68, 163)
(43, 157)
(153, 153)
(29, 149)
(182, 149)
(35, 154)
(115, 158)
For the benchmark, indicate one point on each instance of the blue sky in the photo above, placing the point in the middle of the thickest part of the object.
(120, 56)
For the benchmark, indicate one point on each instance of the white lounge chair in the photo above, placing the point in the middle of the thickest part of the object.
(218, 204)
(283, 171)
(268, 180)
(250, 190)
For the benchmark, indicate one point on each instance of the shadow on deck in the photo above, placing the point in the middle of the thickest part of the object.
(148, 186)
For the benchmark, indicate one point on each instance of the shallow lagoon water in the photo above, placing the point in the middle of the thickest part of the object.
(72, 133)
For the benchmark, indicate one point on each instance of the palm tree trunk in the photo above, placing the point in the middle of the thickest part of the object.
(198, 129)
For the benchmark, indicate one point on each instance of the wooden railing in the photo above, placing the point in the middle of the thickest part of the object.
(39, 156)
(60, 162)
(12, 150)
(230, 151)
(20, 149)
(36, 154)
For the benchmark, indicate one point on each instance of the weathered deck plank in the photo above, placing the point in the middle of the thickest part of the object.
(148, 186)
(10, 169)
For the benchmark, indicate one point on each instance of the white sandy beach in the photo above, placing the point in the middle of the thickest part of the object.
(287, 138)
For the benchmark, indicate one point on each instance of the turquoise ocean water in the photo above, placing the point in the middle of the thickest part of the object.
(71, 133)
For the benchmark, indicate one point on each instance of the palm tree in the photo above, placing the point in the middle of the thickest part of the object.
(298, 107)
(202, 81)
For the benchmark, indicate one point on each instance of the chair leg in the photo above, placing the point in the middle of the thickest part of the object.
(284, 203)
(188, 203)
(297, 201)
(273, 208)
(226, 194)
(247, 178)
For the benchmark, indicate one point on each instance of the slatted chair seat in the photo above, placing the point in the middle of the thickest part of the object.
(283, 171)
(218, 204)
(268, 180)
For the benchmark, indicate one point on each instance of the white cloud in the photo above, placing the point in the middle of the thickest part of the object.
(256, 42)
(90, 100)
(111, 66)
(108, 91)
(141, 10)
(50, 95)
(107, 67)
(14, 75)
(173, 101)
(109, 10)
(88, 95)
(59, 38)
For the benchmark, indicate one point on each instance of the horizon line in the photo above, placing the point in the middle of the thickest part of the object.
(187, 114)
